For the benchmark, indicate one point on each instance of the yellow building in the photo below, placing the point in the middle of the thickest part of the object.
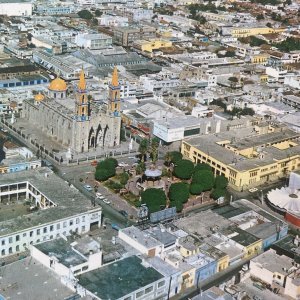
(248, 156)
(264, 78)
(259, 58)
(149, 46)
(249, 31)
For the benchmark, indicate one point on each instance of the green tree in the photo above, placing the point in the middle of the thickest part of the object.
(154, 149)
(140, 168)
(168, 158)
(175, 156)
(221, 182)
(196, 188)
(205, 178)
(179, 192)
(217, 193)
(98, 13)
(85, 14)
(95, 22)
(202, 166)
(143, 149)
(184, 169)
(102, 174)
(124, 178)
(154, 199)
(260, 17)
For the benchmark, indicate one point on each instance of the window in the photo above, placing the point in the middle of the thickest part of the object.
(278, 276)
(51, 228)
(10, 240)
(71, 222)
(31, 233)
(77, 220)
(148, 289)
(45, 230)
(83, 228)
(3, 242)
(38, 232)
(65, 224)
(161, 283)
(24, 234)
(139, 294)
(58, 226)
(17, 238)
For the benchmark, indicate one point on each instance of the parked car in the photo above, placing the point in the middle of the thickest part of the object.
(123, 213)
(106, 201)
(94, 163)
(88, 188)
(99, 195)
(122, 164)
(115, 226)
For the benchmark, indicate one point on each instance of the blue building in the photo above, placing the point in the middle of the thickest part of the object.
(24, 80)
(269, 232)
(205, 266)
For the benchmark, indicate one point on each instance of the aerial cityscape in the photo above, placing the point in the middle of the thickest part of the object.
(150, 150)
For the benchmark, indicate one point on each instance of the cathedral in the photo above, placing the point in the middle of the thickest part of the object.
(77, 123)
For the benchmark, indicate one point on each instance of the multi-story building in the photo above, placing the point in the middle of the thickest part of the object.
(93, 41)
(149, 46)
(16, 8)
(126, 36)
(248, 156)
(248, 30)
(46, 207)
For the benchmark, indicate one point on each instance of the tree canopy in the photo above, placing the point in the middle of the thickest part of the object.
(106, 169)
(202, 166)
(178, 194)
(196, 188)
(154, 199)
(205, 178)
(221, 182)
(85, 14)
(184, 169)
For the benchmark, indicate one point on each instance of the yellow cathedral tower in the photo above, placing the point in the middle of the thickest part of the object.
(82, 105)
(114, 102)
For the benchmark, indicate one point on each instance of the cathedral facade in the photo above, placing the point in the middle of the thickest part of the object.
(78, 124)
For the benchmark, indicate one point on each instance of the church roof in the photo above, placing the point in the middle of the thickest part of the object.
(39, 97)
(115, 79)
(82, 82)
(58, 84)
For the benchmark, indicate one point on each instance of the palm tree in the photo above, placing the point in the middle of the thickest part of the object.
(168, 158)
(143, 149)
(154, 149)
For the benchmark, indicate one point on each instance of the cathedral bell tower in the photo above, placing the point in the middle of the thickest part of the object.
(82, 105)
(114, 103)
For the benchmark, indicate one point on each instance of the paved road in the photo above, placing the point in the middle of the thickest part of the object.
(73, 174)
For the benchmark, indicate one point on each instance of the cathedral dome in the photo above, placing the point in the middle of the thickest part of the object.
(58, 84)
(39, 97)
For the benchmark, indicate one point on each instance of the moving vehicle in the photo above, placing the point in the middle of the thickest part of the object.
(88, 187)
(106, 201)
(123, 213)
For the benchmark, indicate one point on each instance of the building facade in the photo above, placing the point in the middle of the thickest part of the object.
(80, 125)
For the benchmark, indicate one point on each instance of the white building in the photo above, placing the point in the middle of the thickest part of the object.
(51, 208)
(16, 8)
(271, 268)
(112, 21)
(93, 41)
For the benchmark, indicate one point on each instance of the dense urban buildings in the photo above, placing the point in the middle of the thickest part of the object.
(149, 149)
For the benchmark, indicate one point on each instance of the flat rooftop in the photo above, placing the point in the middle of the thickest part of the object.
(63, 251)
(244, 138)
(120, 278)
(142, 237)
(243, 237)
(68, 199)
(28, 279)
(274, 262)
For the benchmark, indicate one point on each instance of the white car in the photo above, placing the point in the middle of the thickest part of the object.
(253, 190)
(122, 164)
(98, 195)
(106, 201)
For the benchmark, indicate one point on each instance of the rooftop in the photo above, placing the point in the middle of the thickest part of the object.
(63, 251)
(243, 237)
(120, 278)
(68, 200)
(142, 237)
(274, 262)
(28, 279)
